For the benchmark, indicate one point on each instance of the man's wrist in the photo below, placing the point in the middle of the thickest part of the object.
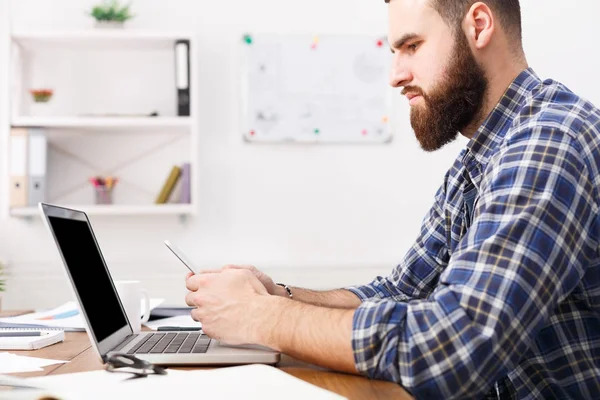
(268, 317)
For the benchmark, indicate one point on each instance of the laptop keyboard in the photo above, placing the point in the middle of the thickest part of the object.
(169, 343)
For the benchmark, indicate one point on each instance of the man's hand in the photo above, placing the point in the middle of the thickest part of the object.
(265, 279)
(235, 307)
(227, 303)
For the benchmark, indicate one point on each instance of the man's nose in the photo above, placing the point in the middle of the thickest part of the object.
(399, 74)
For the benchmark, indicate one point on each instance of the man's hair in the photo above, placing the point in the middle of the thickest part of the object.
(508, 11)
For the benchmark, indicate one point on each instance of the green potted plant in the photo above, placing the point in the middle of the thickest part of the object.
(110, 13)
(40, 105)
(41, 95)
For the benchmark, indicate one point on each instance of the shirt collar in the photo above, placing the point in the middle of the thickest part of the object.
(491, 133)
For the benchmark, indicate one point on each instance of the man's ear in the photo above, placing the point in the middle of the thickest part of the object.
(479, 25)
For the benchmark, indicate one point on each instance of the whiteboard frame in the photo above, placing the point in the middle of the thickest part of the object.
(244, 62)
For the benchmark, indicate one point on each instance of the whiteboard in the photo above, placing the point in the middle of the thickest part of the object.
(316, 89)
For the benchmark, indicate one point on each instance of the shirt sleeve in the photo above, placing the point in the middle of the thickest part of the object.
(417, 274)
(531, 240)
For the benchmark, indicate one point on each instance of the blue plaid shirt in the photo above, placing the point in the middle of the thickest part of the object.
(500, 294)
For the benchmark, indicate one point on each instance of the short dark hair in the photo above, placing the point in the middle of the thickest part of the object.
(508, 11)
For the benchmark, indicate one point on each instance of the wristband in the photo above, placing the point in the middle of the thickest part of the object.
(287, 289)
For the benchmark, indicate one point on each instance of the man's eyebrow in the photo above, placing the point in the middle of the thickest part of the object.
(400, 42)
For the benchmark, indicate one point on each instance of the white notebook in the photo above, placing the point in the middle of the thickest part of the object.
(46, 338)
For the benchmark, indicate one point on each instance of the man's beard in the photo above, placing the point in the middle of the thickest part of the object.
(453, 104)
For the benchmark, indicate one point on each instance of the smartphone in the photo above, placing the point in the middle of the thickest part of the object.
(182, 257)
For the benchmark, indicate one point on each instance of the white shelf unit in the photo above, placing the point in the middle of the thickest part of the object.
(158, 209)
(152, 37)
(103, 122)
(123, 40)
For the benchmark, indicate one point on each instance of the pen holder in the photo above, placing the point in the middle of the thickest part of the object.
(103, 195)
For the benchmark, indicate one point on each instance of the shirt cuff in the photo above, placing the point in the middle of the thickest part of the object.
(379, 289)
(362, 292)
(376, 328)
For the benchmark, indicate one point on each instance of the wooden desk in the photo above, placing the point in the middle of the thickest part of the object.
(77, 349)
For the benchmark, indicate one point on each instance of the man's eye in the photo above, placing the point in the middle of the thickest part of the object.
(413, 47)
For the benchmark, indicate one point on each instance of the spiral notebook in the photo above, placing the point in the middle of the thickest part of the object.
(46, 338)
(30, 327)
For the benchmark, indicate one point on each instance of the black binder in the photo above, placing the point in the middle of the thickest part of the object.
(182, 76)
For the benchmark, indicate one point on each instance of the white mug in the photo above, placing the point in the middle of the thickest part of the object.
(131, 294)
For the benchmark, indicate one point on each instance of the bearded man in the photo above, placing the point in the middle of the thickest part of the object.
(499, 297)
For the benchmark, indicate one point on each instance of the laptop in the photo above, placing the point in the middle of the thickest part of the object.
(106, 322)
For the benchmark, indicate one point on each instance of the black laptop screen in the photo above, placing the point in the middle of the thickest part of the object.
(90, 276)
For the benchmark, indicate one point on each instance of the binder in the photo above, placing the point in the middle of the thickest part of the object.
(18, 168)
(175, 196)
(168, 186)
(182, 76)
(185, 197)
(36, 189)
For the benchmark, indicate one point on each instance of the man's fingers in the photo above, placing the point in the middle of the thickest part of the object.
(210, 271)
(197, 315)
(231, 266)
(195, 282)
(225, 267)
(191, 284)
(189, 299)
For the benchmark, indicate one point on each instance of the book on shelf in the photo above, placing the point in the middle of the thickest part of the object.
(177, 187)
(169, 185)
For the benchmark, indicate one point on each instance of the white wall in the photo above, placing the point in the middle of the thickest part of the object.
(308, 215)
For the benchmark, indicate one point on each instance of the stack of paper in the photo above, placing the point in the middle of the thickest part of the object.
(11, 363)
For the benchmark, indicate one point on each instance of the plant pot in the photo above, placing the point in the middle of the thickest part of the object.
(110, 24)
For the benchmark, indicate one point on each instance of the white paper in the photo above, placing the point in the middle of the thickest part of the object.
(84, 380)
(10, 363)
(63, 384)
(65, 316)
(180, 320)
(247, 382)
